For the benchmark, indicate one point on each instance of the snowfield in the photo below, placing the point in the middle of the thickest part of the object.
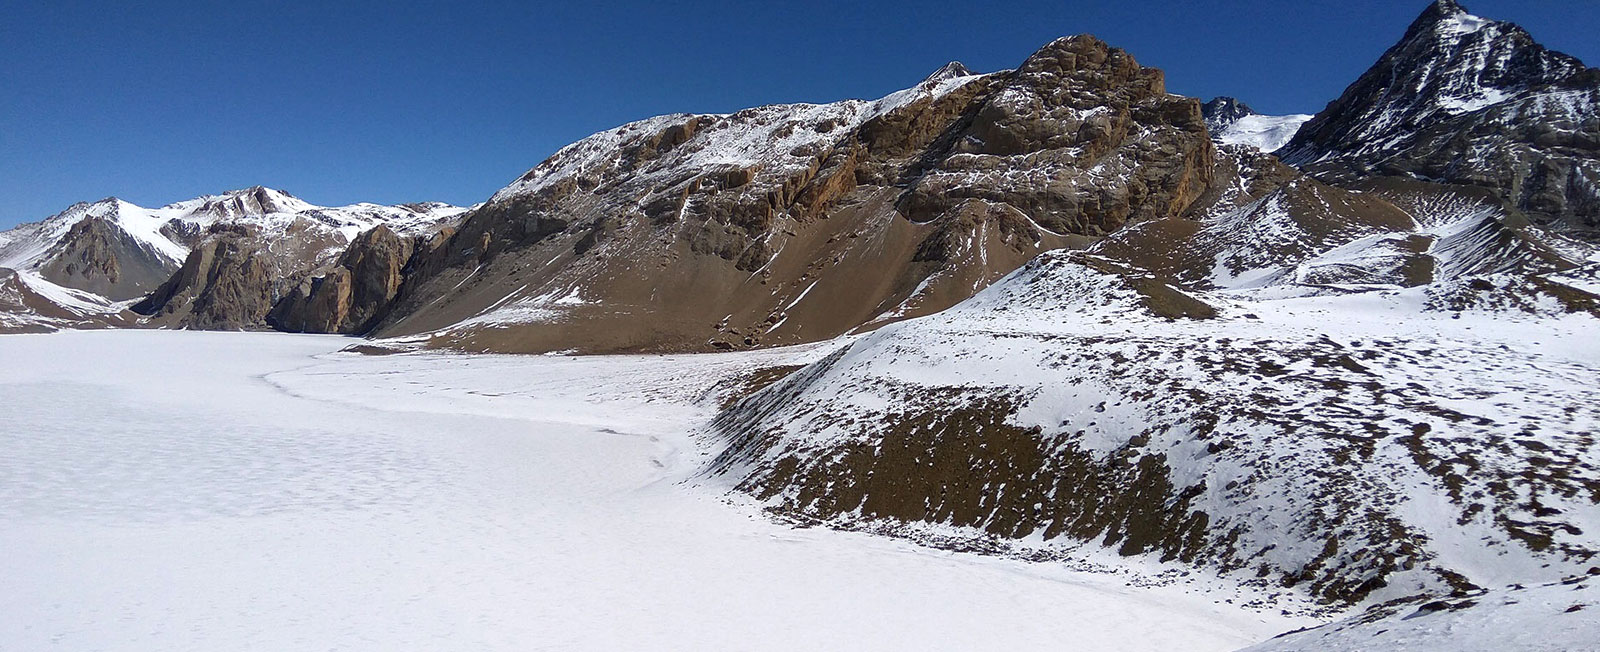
(204, 491)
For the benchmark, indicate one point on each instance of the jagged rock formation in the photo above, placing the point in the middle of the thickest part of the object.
(350, 296)
(1465, 100)
(796, 223)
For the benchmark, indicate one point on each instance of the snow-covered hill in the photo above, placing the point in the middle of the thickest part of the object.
(1553, 617)
(1355, 445)
(31, 304)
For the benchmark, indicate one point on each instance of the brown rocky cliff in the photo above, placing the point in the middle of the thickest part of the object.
(348, 297)
(224, 284)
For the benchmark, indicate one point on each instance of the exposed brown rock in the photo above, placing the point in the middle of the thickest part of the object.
(224, 284)
(349, 296)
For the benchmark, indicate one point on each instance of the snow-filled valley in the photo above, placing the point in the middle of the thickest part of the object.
(200, 491)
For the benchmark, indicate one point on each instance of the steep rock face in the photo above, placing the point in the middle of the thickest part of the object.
(348, 298)
(224, 284)
(1080, 138)
(795, 223)
(1465, 100)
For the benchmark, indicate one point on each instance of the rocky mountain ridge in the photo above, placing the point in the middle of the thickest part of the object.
(232, 253)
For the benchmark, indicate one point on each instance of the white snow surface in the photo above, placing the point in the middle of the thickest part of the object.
(1556, 617)
(186, 490)
(1264, 132)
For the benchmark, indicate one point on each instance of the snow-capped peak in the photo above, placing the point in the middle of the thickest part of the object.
(1450, 63)
(167, 231)
(952, 70)
(1234, 123)
(256, 200)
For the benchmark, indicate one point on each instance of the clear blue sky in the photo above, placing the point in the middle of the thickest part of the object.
(407, 101)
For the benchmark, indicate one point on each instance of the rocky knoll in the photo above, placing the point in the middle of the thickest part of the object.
(1469, 101)
(794, 223)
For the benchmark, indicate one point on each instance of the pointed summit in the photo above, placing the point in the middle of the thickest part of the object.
(952, 70)
(1444, 8)
(1467, 100)
(1223, 111)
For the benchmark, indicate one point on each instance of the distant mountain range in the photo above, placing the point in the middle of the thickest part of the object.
(1349, 354)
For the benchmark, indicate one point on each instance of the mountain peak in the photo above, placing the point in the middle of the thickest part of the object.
(1223, 111)
(1447, 20)
(1445, 8)
(255, 200)
(952, 70)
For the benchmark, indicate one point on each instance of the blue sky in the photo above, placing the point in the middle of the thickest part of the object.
(407, 101)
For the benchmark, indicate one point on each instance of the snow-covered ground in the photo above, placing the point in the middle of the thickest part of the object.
(204, 491)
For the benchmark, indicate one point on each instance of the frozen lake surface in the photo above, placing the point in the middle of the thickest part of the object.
(218, 491)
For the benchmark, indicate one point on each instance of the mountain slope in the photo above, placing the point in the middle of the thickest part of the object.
(31, 304)
(1356, 446)
(1466, 100)
(796, 223)
(110, 247)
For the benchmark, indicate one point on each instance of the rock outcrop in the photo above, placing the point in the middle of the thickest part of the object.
(224, 284)
(349, 297)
